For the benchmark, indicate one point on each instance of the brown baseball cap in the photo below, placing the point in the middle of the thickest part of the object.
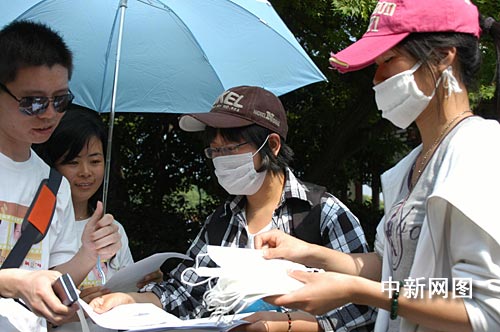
(239, 107)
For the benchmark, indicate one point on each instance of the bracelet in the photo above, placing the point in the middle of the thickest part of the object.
(289, 321)
(395, 303)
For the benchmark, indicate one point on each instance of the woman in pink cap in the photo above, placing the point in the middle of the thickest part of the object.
(436, 264)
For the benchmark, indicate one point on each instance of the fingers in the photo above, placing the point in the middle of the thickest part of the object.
(302, 276)
(107, 239)
(107, 302)
(97, 214)
(101, 235)
(266, 239)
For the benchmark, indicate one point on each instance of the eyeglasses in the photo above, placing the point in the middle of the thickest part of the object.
(38, 105)
(223, 150)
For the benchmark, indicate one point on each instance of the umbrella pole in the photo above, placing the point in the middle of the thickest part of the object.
(122, 7)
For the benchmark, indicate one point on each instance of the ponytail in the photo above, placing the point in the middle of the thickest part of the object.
(492, 27)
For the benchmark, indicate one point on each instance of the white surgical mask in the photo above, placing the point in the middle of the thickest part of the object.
(237, 174)
(243, 277)
(400, 99)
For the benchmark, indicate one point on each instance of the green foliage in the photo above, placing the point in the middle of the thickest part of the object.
(354, 8)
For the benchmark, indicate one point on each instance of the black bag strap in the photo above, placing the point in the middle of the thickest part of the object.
(306, 218)
(218, 224)
(37, 220)
(305, 223)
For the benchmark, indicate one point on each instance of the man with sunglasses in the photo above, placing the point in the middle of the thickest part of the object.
(35, 67)
(246, 130)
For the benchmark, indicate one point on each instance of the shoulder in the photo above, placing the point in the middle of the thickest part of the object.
(474, 134)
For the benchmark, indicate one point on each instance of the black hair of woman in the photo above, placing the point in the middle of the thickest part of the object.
(74, 131)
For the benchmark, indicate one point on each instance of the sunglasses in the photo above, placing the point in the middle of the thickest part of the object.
(38, 105)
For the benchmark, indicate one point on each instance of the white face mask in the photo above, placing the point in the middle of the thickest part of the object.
(400, 99)
(236, 173)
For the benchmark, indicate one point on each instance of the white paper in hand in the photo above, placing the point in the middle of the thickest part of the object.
(245, 276)
(126, 279)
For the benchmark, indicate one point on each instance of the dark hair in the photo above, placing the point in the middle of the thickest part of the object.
(25, 43)
(256, 136)
(74, 132)
(426, 47)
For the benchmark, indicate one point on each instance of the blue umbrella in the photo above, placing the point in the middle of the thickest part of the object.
(172, 56)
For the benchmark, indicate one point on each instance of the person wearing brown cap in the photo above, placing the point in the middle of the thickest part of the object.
(246, 129)
(436, 265)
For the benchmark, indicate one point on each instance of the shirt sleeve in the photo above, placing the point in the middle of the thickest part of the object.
(63, 242)
(476, 255)
(342, 231)
(124, 256)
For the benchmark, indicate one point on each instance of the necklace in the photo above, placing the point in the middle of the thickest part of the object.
(436, 142)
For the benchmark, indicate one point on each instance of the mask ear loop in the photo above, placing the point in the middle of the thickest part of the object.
(198, 258)
(220, 302)
(450, 83)
(265, 141)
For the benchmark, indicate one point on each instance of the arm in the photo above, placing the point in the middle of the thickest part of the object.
(342, 232)
(277, 244)
(35, 289)
(109, 301)
(266, 321)
(323, 291)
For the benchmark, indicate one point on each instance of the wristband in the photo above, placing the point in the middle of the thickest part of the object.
(395, 303)
(289, 321)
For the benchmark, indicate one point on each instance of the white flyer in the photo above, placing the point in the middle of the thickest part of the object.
(126, 279)
(148, 317)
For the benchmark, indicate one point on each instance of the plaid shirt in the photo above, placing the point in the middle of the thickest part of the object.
(339, 227)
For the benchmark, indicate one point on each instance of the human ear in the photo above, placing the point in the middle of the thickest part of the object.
(274, 143)
(446, 58)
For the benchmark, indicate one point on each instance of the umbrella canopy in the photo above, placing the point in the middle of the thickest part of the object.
(176, 56)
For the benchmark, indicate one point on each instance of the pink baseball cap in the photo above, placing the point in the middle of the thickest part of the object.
(393, 20)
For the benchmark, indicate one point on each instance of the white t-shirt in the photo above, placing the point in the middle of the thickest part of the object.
(19, 182)
(122, 258)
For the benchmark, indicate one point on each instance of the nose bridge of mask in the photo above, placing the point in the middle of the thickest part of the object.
(236, 160)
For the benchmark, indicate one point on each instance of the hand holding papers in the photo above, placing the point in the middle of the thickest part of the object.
(244, 276)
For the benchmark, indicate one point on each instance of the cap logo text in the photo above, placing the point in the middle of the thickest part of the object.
(267, 116)
(229, 100)
(382, 8)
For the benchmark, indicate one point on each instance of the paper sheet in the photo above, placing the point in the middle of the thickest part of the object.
(148, 317)
(126, 279)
